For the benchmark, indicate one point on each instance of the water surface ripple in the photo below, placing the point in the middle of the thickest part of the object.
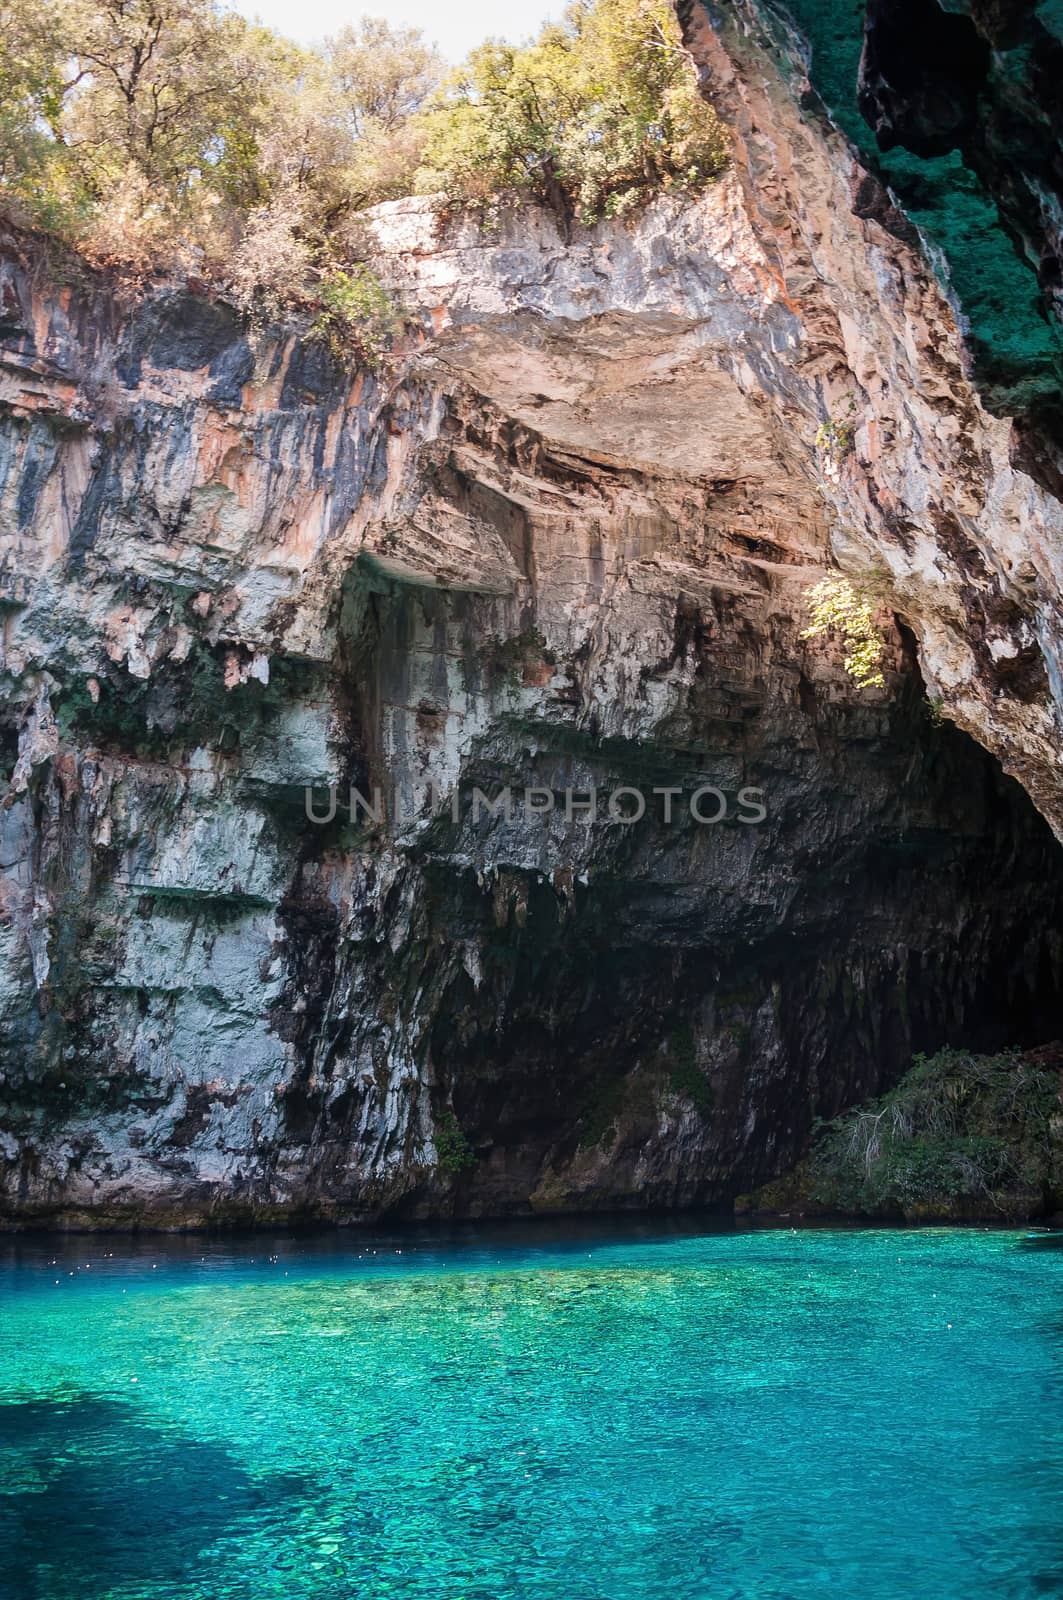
(534, 1415)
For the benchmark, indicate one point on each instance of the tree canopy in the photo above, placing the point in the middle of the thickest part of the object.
(163, 133)
(601, 112)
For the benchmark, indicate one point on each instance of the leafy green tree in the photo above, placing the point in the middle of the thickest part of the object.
(173, 134)
(149, 83)
(31, 98)
(128, 111)
(331, 133)
(597, 115)
(381, 74)
(379, 78)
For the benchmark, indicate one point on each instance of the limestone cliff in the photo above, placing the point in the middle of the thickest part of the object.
(559, 540)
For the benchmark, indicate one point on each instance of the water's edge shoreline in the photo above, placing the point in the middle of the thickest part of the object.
(693, 1220)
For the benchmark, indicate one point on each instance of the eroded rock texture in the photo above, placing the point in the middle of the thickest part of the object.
(561, 541)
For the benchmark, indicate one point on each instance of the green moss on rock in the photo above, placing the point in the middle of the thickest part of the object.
(686, 1078)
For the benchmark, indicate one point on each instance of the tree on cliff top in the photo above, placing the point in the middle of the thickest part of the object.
(166, 134)
(140, 129)
(128, 133)
(600, 113)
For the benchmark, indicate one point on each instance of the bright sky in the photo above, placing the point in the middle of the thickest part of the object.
(454, 25)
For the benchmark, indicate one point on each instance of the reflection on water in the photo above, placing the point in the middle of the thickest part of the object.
(650, 1413)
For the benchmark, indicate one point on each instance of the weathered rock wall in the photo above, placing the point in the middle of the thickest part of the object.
(561, 540)
(938, 496)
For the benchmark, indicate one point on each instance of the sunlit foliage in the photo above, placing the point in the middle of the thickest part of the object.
(839, 606)
(599, 113)
(172, 135)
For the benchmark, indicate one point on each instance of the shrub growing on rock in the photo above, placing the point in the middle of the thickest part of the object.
(838, 605)
(172, 135)
(961, 1135)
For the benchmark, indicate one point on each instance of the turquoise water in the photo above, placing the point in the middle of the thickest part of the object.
(864, 1415)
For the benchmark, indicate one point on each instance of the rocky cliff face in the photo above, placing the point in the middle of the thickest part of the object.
(560, 542)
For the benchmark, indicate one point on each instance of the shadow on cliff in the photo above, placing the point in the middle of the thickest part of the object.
(103, 1499)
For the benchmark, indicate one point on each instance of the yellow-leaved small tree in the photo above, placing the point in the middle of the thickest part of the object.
(838, 605)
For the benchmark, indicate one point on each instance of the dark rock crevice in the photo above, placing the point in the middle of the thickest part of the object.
(988, 82)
